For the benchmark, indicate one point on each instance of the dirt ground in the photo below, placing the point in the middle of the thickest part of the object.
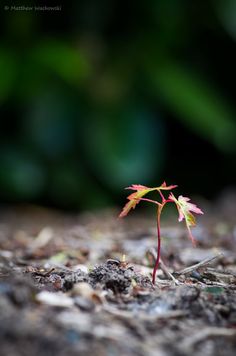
(81, 285)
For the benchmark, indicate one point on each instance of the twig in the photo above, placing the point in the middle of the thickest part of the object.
(45, 274)
(218, 284)
(167, 273)
(170, 314)
(164, 268)
(203, 263)
(206, 333)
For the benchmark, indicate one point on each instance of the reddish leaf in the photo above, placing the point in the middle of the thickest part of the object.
(165, 187)
(142, 190)
(134, 198)
(137, 187)
(185, 208)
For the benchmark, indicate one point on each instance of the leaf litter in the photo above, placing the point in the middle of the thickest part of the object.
(67, 288)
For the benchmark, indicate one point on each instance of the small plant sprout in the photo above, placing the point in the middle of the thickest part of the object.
(184, 207)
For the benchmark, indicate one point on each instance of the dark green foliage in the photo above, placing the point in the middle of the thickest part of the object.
(101, 94)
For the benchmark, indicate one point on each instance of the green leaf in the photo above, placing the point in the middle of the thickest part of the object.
(64, 60)
(214, 290)
(7, 73)
(121, 144)
(197, 104)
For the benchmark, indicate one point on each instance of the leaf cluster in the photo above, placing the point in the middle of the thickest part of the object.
(183, 205)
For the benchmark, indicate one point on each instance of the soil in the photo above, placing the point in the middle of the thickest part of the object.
(74, 285)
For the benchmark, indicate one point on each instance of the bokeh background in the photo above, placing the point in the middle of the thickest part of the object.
(101, 94)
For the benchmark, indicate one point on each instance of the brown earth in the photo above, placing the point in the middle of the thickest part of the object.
(66, 287)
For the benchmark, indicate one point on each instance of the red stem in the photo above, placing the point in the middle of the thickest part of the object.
(159, 210)
(158, 244)
(149, 200)
(162, 196)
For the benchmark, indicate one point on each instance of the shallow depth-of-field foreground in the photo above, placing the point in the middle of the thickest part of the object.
(81, 284)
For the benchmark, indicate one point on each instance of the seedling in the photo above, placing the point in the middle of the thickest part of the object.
(183, 206)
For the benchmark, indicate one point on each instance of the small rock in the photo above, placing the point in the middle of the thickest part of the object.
(84, 303)
(54, 299)
(82, 289)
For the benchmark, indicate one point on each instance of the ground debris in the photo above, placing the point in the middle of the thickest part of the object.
(118, 277)
(201, 264)
(189, 343)
(65, 289)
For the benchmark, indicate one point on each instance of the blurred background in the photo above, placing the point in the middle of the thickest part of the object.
(97, 95)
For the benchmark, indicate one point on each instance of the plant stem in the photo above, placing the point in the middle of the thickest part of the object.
(162, 196)
(149, 200)
(159, 209)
